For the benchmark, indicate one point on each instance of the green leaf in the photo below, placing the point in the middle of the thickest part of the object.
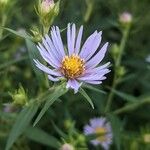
(58, 91)
(21, 34)
(116, 128)
(83, 93)
(42, 137)
(22, 121)
(125, 96)
(34, 54)
(93, 88)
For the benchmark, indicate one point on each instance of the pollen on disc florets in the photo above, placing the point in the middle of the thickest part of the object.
(102, 132)
(72, 66)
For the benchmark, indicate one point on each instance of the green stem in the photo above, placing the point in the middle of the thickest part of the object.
(122, 45)
(88, 11)
(45, 30)
(117, 65)
(111, 94)
(3, 22)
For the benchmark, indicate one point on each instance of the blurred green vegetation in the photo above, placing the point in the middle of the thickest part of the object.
(16, 69)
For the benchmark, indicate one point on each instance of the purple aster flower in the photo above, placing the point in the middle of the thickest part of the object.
(75, 63)
(102, 127)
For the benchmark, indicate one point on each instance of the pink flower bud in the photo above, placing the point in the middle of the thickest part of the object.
(125, 17)
(67, 146)
(47, 5)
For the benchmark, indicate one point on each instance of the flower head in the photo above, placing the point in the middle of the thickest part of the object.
(76, 64)
(103, 128)
(125, 17)
(67, 146)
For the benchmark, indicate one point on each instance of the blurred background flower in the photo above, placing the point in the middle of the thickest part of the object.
(102, 129)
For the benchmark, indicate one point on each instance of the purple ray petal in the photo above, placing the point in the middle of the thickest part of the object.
(86, 47)
(97, 122)
(56, 43)
(69, 38)
(98, 68)
(94, 76)
(78, 42)
(105, 145)
(97, 58)
(46, 69)
(91, 72)
(88, 130)
(48, 57)
(73, 84)
(94, 46)
(56, 33)
(73, 38)
(91, 47)
(93, 82)
(52, 78)
(51, 48)
(95, 142)
(60, 39)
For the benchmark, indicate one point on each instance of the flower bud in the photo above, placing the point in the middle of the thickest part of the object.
(68, 124)
(146, 138)
(47, 11)
(115, 51)
(67, 146)
(4, 2)
(35, 34)
(125, 18)
(19, 97)
(47, 6)
(81, 139)
(121, 71)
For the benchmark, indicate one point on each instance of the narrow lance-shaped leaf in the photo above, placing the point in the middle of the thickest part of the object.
(21, 34)
(34, 53)
(86, 97)
(21, 124)
(58, 91)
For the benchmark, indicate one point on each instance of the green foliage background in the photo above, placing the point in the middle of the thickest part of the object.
(72, 112)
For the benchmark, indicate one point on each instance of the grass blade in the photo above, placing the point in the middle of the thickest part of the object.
(21, 124)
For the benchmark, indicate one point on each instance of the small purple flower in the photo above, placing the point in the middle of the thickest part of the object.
(74, 63)
(102, 127)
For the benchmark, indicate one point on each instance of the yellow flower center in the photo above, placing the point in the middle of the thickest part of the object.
(72, 66)
(101, 134)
